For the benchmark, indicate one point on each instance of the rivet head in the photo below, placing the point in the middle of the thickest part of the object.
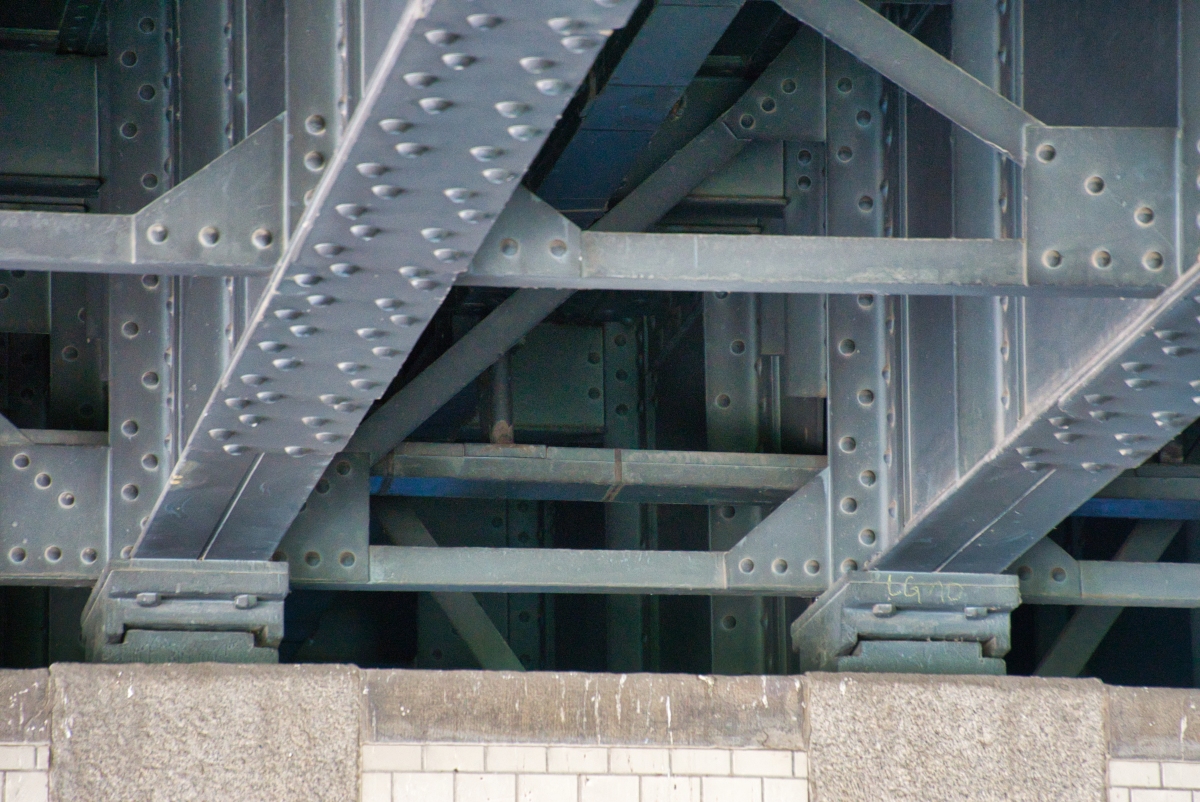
(511, 108)
(221, 434)
(420, 79)
(363, 231)
(262, 238)
(296, 451)
(523, 133)
(386, 191)
(483, 22)
(536, 64)
(434, 105)
(351, 211)
(486, 153)
(328, 249)
(457, 61)
(209, 236)
(496, 175)
(157, 233)
(327, 437)
(552, 86)
(1102, 259)
(371, 169)
(440, 37)
(434, 234)
(580, 44)
(411, 150)
(458, 194)
(394, 126)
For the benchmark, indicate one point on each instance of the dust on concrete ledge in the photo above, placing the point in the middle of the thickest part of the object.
(572, 708)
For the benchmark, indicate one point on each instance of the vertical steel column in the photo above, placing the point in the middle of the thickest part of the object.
(317, 101)
(137, 167)
(524, 609)
(986, 43)
(731, 366)
(861, 329)
(205, 117)
(76, 351)
(623, 523)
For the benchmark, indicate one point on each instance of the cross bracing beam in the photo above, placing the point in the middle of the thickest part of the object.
(462, 363)
(1112, 396)
(943, 85)
(532, 245)
(1112, 412)
(785, 103)
(1079, 639)
(428, 159)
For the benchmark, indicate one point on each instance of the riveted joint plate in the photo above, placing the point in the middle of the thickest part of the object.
(530, 237)
(327, 543)
(228, 214)
(1047, 573)
(788, 550)
(901, 609)
(787, 102)
(1100, 206)
(176, 610)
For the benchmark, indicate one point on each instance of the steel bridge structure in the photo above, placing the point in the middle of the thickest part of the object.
(322, 296)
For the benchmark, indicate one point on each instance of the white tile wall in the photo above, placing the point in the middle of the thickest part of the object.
(539, 773)
(1153, 781)
(24, 774)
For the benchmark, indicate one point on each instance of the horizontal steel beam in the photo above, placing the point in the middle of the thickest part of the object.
(225, 220)
(532, 245)
(1049, 575)
(519, 570)
(592, 474)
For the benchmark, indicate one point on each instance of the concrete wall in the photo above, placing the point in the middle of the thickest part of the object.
(270, 733)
